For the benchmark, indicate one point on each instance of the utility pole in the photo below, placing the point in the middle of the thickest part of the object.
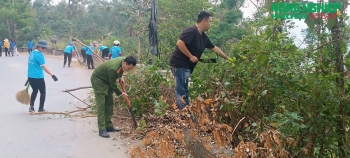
(69, 18)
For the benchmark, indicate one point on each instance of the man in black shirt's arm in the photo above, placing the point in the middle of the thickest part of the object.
(189, 48)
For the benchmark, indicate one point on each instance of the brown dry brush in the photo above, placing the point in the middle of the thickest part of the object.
(164, 136)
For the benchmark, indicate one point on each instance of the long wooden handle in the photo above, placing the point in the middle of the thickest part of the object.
(123, 88)
(89, 49)
(74, 89)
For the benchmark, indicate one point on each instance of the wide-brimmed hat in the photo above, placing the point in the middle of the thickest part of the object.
(42, 43)
(6, 40)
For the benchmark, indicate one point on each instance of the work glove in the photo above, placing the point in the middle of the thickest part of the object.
(54, 78)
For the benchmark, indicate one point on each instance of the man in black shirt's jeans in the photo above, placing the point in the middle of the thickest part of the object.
(189, 48)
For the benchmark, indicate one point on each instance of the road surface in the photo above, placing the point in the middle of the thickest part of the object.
(47, 136)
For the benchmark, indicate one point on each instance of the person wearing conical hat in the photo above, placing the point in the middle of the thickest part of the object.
(7, 47)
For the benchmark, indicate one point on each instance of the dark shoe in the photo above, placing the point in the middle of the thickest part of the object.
(64, 65)
(31, 109)
(41, 110)
(112, 129)
(103, 133)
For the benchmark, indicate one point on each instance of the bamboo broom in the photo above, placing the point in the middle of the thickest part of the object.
(23, 96)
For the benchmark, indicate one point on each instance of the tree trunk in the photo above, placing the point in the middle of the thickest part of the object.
(9, 28)
(14, 32)
(337, 33)
(138, 47)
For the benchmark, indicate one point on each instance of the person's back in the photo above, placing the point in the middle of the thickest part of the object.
(102, 47)
(68, 49)
(90, 51)
(68, 54)
(115, 51)
(30, 44)
(12, 44)
(35, 61)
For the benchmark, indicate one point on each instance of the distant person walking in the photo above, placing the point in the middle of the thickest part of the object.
(7, 47)
(30, 45)
(68, 54)
(83, 53)
(0, 49)
(54, 41)
(89, 54)
(15, 48)
(12, 46)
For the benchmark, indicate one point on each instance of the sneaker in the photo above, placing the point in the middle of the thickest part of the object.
(112, 129)
(31, 109)
(41, 110)
(104, 134)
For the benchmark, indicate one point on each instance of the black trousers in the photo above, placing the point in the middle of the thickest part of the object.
(30, 50)
(37, 84)
(0, 51)
(105, 52)
(69, 56)
(83, 54)
(7, 51)
(90, 61)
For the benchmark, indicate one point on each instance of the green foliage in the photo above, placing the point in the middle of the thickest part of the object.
(145, 89)
(269, 83)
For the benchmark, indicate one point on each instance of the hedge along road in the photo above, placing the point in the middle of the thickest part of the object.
(41, 136)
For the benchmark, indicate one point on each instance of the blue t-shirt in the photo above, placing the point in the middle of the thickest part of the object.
(88, 52)
(30, 44)
(12, 44)
(85, 48)
(102, 47)
(69, 49)
(0, 44)
(35, 61)
(115, 50)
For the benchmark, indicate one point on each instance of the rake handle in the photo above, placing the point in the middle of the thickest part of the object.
(123, 89)
(74, 89)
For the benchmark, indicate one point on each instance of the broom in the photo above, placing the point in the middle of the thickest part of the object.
(23, 95)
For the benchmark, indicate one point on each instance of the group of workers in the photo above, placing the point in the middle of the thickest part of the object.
(189, 48)
(10, 47)
(87, 52)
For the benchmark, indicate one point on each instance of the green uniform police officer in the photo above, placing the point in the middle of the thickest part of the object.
(103, 81)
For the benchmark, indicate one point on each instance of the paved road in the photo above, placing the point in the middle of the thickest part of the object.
(46, 136)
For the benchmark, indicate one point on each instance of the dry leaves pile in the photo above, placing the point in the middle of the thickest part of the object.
(171, 136)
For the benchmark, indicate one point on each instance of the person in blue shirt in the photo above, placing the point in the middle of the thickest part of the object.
(104, 50)
(115, 50)
(0, 49)
(30, 45)
(89, 54)
(68, 54)
(12, 47)
(36, 68)
(83, 53)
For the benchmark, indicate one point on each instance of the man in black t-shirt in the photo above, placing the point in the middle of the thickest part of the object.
(189, 48)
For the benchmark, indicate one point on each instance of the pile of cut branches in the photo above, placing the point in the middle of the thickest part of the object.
(177, 134)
